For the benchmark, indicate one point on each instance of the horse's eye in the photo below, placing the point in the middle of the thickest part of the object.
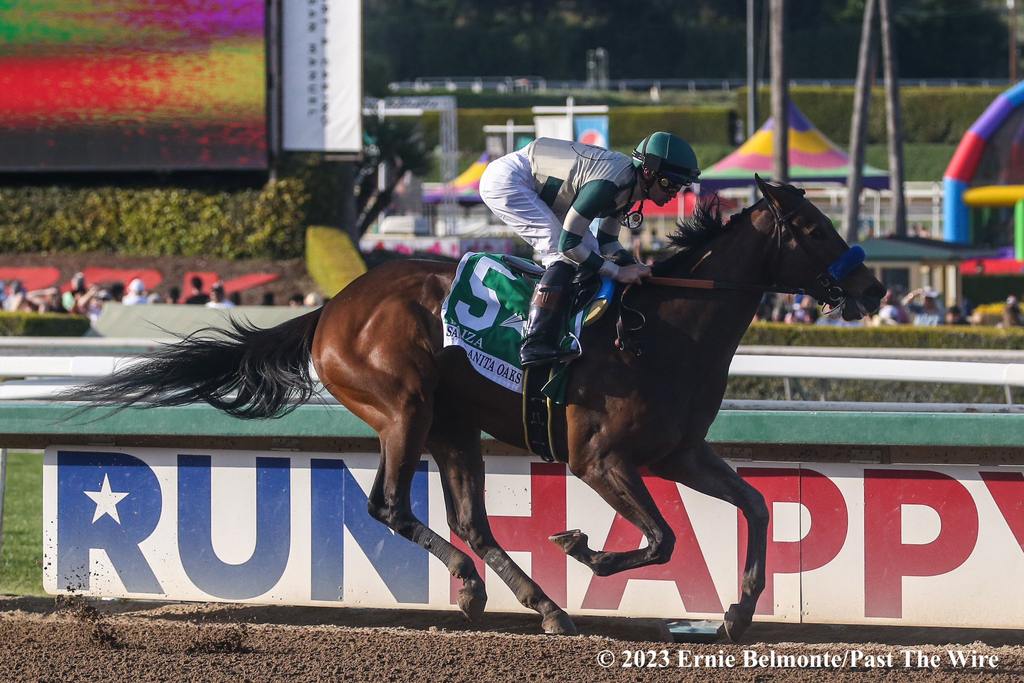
(817, 233)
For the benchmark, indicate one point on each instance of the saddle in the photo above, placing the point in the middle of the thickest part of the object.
(484, 314)
(544, 387)
(589, 290)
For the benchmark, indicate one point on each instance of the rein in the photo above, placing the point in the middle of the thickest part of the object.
(624, 343)
(828, 279)
(696, 283)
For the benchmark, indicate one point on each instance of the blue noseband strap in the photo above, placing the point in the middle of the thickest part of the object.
(851, 258)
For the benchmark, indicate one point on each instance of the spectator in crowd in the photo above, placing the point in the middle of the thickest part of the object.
(136, 293)
(295, 300)
(197, 295)
(117, 292)
(235, 298)
(95, 304)
(892, 310)
(45, 300)
(81, 299)
(765, 307)
(78, 289)
(781, 308)
(173, 294)
(218, 299)
(919, 230)
(929, 311)
(15, 298)
(836, 320)
(268, 299)
(1011, 313)
(804, 310)
(955, 316)
(313, 299)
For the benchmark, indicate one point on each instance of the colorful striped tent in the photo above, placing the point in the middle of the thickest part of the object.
(812, 158)
(466, 186)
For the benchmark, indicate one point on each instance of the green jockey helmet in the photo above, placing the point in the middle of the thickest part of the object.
(668, 156)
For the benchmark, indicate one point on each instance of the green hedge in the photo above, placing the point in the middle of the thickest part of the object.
(627, 125)
(704, 125)
(894, 336)
(777, 334)
(930, 115)
(921, 160)
(42, 325)
(937, 116)
(264, 223)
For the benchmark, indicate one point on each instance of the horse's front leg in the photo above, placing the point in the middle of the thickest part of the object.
(618, 482)
(703, 470)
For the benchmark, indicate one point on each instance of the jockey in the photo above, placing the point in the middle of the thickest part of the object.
(550, 191)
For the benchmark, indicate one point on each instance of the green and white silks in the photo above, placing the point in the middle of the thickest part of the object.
(485, 313)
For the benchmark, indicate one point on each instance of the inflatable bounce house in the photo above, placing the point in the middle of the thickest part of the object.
(986, 176)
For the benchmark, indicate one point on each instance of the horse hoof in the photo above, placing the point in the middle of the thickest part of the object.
(736, 623)
(570, 541)
(558, 623)
(472, 598)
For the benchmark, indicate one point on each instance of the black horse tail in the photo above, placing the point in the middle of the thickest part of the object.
(245, 371)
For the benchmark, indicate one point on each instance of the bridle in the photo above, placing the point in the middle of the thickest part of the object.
(829, 278)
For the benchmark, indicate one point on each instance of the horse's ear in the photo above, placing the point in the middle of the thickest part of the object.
(771, 195)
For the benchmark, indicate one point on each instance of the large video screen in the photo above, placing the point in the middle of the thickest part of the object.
(132, 85)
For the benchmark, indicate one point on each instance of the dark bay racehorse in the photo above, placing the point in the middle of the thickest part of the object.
(377, 347)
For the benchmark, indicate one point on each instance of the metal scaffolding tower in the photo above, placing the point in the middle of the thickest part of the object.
(415, 106)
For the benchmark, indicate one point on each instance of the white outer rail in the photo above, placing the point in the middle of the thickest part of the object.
(957, 372)
(46, 376)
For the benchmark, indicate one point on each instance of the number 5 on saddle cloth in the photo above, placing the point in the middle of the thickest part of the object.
(484, 313)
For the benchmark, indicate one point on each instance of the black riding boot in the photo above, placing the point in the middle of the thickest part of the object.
(547, 310)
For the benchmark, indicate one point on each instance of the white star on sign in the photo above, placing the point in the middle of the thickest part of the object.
(106, 501)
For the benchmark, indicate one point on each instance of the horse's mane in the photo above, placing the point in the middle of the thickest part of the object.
(700, 229)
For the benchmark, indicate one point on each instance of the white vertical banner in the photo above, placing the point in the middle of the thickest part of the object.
(557, 127)
(322, 84)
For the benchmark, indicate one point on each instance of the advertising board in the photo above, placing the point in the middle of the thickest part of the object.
(848, 543)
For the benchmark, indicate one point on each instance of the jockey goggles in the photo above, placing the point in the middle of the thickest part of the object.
(672, 184)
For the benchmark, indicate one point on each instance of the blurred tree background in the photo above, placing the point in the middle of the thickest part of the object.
(666, 38)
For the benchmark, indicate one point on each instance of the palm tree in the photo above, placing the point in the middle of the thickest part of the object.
(394, 146)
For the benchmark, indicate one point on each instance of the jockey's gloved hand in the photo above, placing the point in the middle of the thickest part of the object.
(633, 274)
(622, 258)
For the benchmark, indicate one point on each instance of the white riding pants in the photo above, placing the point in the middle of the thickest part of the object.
(507, 188)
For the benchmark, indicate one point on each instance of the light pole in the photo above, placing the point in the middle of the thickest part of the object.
(780, 94)
(1011, 9)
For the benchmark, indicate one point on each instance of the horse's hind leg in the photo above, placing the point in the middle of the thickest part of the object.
(702, 470)
(389, 502)
(618, 482)
(457, 453)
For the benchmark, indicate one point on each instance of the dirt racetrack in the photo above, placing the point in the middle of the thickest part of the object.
(64, 640)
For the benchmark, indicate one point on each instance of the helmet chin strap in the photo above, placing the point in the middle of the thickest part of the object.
(633, 218)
